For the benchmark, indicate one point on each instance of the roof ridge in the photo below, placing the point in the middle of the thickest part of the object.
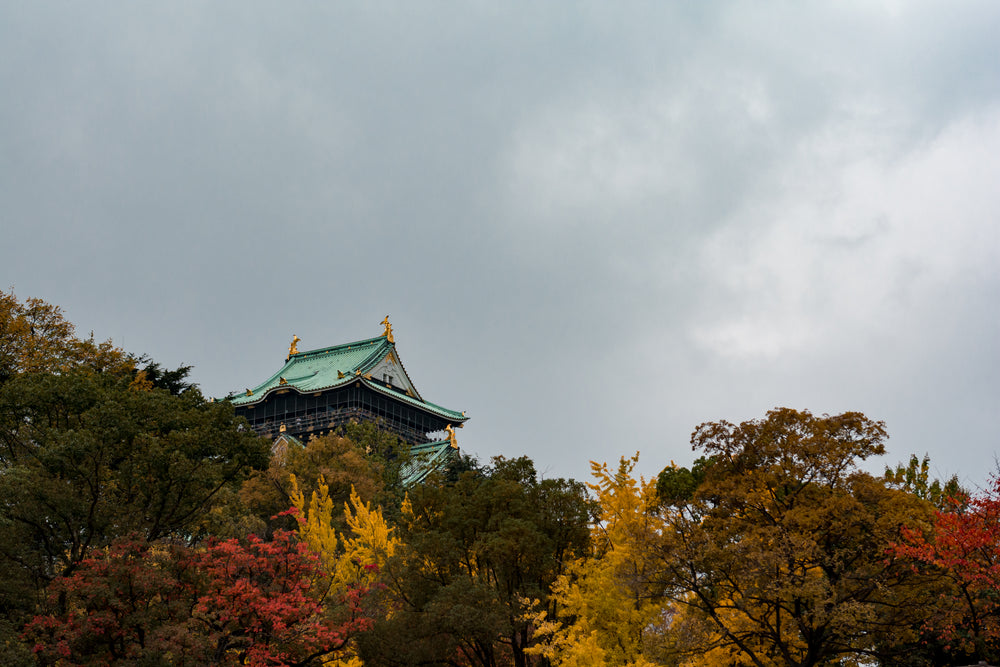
(343, 346)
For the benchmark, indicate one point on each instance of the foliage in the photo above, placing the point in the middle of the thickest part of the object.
(475, 557)
(154, 376)
(605, 603)
(230, 602)
(964, 547)
(772, 549)
(780, 555)
(676, 484)
(342, 463)
(86, 459)
(915, 478)
(36, 338)
(364, 546)
(357, 557)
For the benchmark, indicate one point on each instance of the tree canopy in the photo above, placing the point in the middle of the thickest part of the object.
(143, 524)
(36, 338)
(477, 557)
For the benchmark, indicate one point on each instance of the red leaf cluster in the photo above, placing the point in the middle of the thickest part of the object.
(964, 547)
(254, 602)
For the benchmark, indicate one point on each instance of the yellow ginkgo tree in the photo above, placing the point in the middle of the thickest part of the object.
(605, 601)
(352, 561)
(356, 556)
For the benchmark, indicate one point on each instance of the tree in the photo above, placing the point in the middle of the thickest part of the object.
(605, 607)
(229, 603)
(346, 466)
(154, 376)
(86, 458)
(363, 548)
(477, 558)
(915, 478)
(779, 556)
(963, 547)
(352, 558)
(36, 338)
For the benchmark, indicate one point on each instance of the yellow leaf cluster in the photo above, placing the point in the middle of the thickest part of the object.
(346, 559)
(605, 602)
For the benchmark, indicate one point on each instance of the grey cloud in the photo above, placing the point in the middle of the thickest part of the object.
(593, 226)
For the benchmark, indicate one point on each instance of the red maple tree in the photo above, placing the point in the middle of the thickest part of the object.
(253, 602)
(963, 546)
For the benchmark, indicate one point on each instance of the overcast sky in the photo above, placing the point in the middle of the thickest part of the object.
(593, 225)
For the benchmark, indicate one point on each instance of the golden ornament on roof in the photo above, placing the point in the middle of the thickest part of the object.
(294, 347)
(451, 436)
(388, 329)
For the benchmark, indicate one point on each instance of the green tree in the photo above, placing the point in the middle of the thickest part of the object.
(477, 560)
(676, 484)
(915, 478)
(86, 458)
(154, 376)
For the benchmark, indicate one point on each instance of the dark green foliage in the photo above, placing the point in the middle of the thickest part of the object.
(13, 652)
(174, 381)
(85, 458)
(674, 485)
(476, 554)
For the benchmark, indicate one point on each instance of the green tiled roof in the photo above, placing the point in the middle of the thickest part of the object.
(427, 458)
(456, 417)
(340, 365)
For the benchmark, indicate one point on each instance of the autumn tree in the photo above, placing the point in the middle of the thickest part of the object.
(36, 338)
(353, 541)
(226, 603)
(605, 605)
(361, 458)
(779, 557)
(352, 554)
(963, 547)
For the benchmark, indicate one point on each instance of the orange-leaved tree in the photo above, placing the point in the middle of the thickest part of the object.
(779, 555)
(36, 338)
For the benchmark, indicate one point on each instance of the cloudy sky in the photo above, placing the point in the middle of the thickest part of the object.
(593, 225)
